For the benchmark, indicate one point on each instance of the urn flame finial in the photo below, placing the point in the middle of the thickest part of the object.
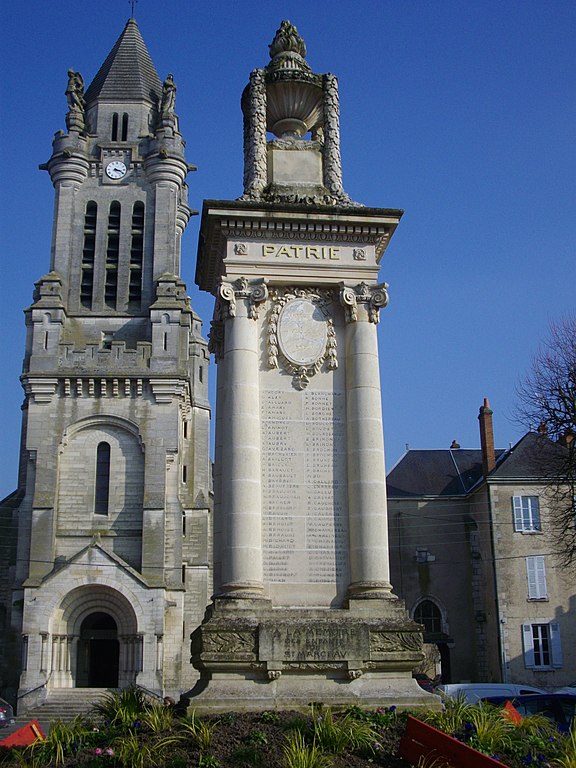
(287, 50)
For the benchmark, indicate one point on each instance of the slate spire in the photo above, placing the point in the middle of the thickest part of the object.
(128, 73)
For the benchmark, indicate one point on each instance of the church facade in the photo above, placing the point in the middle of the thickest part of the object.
(110, 523)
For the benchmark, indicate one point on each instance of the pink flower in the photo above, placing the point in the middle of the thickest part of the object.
(97, 751)
(109, 751)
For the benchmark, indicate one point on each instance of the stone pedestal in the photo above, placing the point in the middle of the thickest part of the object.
(303, 608)
(252, 656)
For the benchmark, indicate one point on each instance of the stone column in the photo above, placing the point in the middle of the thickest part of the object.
(241, 491)
(369, 561)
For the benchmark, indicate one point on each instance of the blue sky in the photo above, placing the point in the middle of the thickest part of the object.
(461, 113)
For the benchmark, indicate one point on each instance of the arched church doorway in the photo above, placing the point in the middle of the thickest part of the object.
(98, 652)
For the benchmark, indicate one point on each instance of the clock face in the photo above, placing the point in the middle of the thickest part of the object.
(116, 169)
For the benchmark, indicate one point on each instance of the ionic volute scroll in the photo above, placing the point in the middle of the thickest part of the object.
(373, 297)
(255, 294)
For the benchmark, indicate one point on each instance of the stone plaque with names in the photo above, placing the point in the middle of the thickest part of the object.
(305, 529)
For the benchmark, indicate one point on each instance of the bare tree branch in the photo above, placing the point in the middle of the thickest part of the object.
(547, 401)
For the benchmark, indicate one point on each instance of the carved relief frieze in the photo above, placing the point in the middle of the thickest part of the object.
(250, 229)
(373, 297)
(300, 333)
(230, 643)
(394, 642)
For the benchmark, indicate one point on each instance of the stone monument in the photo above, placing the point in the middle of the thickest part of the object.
(303, 608)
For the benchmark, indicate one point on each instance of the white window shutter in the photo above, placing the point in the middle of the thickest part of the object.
(528, 645)
(518, 517)
(536, 574)
(556, 644)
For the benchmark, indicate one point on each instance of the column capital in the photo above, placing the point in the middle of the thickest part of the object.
(371, 298)
(230, 294)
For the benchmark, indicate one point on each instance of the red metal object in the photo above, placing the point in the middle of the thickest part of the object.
(512, 713)
(421, 740)
(24, 736)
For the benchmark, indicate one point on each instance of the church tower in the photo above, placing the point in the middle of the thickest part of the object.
(113, 525)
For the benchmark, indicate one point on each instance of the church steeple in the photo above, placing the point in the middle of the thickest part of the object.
(128, 72)
(121, 200)
(123, 100)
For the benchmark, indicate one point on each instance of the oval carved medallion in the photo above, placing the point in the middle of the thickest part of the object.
(302, 333)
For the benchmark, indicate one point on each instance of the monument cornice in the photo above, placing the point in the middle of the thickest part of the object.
(225, 220)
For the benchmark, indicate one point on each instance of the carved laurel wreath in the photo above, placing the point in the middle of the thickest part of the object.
(301, 373)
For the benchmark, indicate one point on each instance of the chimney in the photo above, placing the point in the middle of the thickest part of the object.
(487, 438)
(567, 438)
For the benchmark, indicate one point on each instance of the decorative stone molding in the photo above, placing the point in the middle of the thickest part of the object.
(302, 351)
(166, 390)
(255, 159)
(216, 339)
(374, 298)
(41, 389)
(332, 160)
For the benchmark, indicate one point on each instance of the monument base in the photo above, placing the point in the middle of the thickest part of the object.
(253, 657)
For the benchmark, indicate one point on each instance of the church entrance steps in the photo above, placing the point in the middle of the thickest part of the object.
(63, 704)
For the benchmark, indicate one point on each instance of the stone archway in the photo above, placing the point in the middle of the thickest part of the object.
(95, 632)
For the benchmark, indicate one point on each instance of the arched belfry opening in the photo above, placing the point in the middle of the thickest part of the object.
(98, 652)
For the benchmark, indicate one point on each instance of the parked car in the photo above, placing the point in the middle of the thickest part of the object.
(473, 692)
(570, 688)
(6, 713)
(424, 681)
(558, 707)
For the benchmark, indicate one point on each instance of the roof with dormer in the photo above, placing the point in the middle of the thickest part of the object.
(128, 73)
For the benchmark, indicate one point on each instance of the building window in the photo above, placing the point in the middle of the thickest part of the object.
(124, 126)
(542, 647)
(115, 126)
(526, 513)
(136, 255)
(102, 494)
(112, 254)
(428, 614)
(88, 253)
(536, 574)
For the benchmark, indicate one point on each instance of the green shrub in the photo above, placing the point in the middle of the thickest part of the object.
(297, 754)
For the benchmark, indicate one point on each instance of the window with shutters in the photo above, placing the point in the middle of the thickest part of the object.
(536, 575)
(112, 254)
(136, 255)
(88, 252)
(542, 646)
(526, 510)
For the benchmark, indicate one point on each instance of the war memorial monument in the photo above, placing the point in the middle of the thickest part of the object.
(303, 608)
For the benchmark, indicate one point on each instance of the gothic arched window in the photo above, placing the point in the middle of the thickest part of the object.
(115, 126)
(102, 490)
